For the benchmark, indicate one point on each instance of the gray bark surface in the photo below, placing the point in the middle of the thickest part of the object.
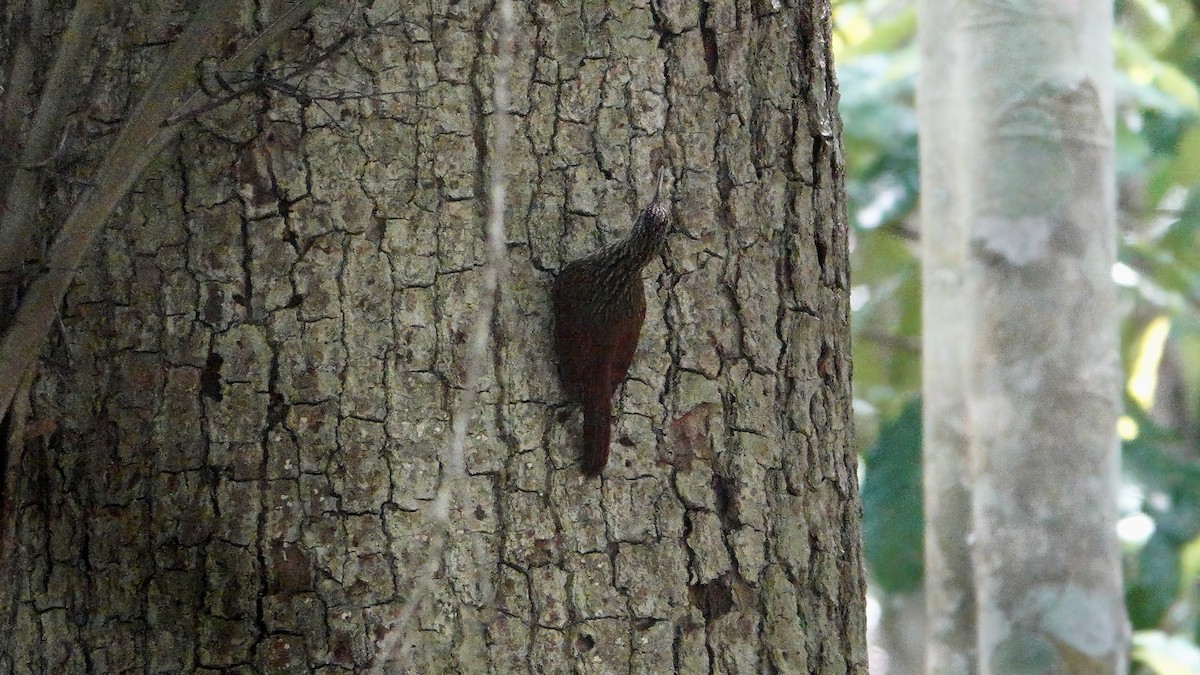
(1021, 225)
(950, 642)
(235, 437)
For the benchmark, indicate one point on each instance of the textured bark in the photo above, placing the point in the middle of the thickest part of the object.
(234, 440)
(1032, 184)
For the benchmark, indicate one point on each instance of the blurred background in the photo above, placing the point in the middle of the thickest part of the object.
(1157, 48)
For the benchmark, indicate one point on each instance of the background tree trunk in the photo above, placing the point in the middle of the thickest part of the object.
(1031, 148)
(236, 436)
(949, 577)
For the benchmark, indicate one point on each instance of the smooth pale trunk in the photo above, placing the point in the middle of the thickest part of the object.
(1042, 376)
(949, 586)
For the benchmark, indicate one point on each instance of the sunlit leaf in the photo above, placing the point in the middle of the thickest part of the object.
(892, 33)
(1164, 654)
(1187, 159)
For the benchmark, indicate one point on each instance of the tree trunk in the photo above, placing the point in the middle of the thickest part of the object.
(949, 577)
(1032, 177)
(235, 441)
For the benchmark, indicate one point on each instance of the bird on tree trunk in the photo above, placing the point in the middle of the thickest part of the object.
(599, 307)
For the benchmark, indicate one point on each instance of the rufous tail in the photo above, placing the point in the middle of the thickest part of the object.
(597, 412)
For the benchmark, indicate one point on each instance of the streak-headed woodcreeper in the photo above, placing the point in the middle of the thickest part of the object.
(599, 306)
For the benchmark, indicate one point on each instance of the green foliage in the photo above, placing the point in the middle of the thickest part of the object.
(1163, 467)
(877, 67)
(1152, 582)
(881, 133)
(893, 515)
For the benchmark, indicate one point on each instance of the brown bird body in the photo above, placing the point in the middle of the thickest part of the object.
(599, 307)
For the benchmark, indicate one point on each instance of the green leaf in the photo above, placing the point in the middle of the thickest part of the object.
(1151, 590)
(1187, 161)
(893, 516)
(891, 34)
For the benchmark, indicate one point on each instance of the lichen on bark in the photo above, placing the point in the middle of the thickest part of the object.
(257, 371)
